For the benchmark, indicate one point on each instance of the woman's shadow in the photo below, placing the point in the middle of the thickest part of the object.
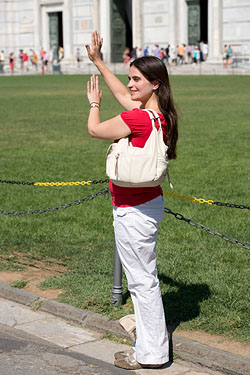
(181, 305)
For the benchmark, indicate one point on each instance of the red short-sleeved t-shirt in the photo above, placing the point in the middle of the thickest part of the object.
(141, 126)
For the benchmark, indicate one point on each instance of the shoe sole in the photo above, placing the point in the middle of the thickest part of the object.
(137, 366)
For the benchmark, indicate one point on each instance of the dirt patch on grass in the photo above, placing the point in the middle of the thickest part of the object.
(32, 272)
(216, 341)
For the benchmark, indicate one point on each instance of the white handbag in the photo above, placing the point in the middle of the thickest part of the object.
(130, 166)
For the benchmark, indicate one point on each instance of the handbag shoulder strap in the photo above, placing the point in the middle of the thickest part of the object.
(153, 116)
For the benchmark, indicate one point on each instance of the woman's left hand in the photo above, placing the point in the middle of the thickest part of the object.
(93, 92)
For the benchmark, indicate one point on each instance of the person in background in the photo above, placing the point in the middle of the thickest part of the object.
(224, 56)
(45, 62)
(167, 53)
(12, 61)
(126, 57)
(163, 56)
(2, 60)
(229, 55)
(42, 52)
(78, 57)
(140, 52)
(25, 62)
(201, 45)
(157, 51)
(137, 211)
(205, 51)
(180, 53)
(60, 54)
(173, 55)
(34, 60)
(196, 56)
(189, 54)
(146, 51)
(133, 54)
(20, 56)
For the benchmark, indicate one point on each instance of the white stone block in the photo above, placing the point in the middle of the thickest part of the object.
(26, 41)
(239, 14)
(155, 6)
(156, 35)
(235, 3)
(58, 332)
(84, 11)
(155, 20)
(239, 33)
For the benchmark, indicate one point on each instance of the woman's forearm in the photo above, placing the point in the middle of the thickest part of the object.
(117, 88)
(93, 120)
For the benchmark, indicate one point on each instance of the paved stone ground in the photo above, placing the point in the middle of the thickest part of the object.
(81, 331)
(25, 354)
(87, 67)
(36, 342)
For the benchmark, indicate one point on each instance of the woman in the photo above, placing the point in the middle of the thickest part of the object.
(137, 211)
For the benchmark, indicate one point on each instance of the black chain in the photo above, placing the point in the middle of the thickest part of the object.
(104, 192)
(241, 206)
(32, 183)
(213, 232)
(100, 181)
(221, 204)
(16, 182)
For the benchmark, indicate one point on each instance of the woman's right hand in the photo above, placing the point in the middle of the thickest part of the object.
(94, 52)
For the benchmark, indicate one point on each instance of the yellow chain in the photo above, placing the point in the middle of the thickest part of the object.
(178, 196)
(193, 199)
(201, 200)
(77, 183)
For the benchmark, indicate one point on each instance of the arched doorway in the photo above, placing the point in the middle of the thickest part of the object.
(197, 21)
(121, 28)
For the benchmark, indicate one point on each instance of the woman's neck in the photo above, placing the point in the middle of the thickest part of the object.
(151, 103)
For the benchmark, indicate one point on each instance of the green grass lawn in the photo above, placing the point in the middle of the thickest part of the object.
(204, 279)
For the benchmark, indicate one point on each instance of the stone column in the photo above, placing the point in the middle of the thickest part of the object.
(182, 22)
(137, 23)
(96, 13)
(37, 26)
(67, 29)
(215, 31)
(45, 29)
(172, 40)
(105, 29)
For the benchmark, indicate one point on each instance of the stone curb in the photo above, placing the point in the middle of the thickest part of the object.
(188, 350)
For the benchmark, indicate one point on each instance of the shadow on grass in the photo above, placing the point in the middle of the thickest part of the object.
(183, 304)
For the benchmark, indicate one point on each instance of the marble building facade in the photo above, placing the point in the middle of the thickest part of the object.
(32, 24)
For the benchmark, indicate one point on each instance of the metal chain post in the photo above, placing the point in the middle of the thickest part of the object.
(116, 298)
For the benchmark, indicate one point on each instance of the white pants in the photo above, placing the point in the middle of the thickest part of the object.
(135, 235)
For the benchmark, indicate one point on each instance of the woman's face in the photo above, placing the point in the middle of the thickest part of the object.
(140, 88)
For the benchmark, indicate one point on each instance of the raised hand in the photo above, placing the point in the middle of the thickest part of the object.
(93, 92)
(94, 52)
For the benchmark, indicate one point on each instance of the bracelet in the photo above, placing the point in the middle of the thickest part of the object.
(93, 105)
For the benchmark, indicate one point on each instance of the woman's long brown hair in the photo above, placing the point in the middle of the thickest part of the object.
(153, 69)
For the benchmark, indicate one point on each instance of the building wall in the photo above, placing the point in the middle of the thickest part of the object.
(16, 25)
(236, 25)
(83, 22)
(155, 21)
(24, 24)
